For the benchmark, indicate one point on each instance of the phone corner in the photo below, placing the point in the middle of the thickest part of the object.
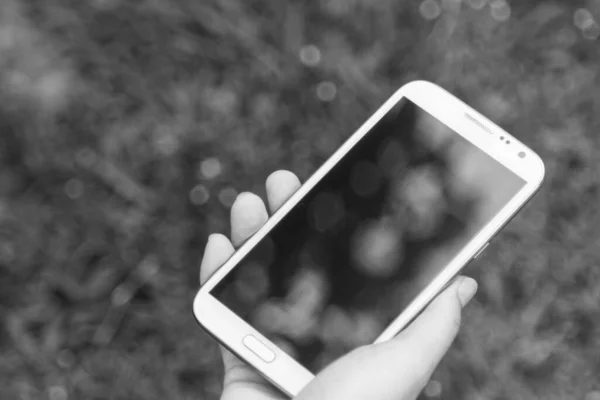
(418, 82)
(418, 86)
(198, 307)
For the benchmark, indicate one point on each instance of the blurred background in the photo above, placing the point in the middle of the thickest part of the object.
(127, 129)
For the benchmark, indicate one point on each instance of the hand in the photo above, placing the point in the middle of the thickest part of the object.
(395, 370)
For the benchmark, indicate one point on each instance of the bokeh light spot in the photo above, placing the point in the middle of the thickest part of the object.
(222, 100)
(430, 9)
(500, 10)
(53, 88)
(309, 289)
(263, 106)
(57, 393)
(326, 91)
(199, 195)
(310, 55)
(566, 37)
(166, 143)
(227, 196)
(74, 188)
(433, 389)
(121, 296)
(149, 267)
(65, 359)
(421, 192)
(592, 32)
(477, 4)
(211, 168)
(377, 249)
(595, 395)
(583, 18)
(8, 252)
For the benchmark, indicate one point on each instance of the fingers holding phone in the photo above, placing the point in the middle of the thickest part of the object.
(248, 214)
(397, 369)
(372, 238)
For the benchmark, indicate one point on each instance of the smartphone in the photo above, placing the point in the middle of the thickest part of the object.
(380, 229)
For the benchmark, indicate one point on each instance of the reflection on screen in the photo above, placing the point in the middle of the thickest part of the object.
(368, 238)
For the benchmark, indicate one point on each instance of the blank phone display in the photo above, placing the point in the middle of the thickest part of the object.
(346, 261)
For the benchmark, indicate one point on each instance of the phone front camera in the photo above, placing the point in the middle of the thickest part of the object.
(522, 154)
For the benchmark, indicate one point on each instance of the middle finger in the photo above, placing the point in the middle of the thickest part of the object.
(248, 214)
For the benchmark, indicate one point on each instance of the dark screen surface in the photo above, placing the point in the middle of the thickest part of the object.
(347, 260)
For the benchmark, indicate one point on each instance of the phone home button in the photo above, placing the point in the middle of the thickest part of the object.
(256, 346)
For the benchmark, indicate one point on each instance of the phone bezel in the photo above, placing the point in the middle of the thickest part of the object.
(284, 372)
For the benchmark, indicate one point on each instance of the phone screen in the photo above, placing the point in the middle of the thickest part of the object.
(362, 244)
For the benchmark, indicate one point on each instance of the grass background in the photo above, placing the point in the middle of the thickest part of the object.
(128, 127)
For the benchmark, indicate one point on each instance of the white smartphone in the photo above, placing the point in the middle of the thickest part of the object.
(371, 238)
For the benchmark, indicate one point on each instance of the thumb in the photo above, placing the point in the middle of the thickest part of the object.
(432, 333)
(399, 368)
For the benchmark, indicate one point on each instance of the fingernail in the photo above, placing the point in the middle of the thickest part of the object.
(466, 290)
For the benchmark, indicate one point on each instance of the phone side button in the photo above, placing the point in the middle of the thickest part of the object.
(481, 250)
(256, 346)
